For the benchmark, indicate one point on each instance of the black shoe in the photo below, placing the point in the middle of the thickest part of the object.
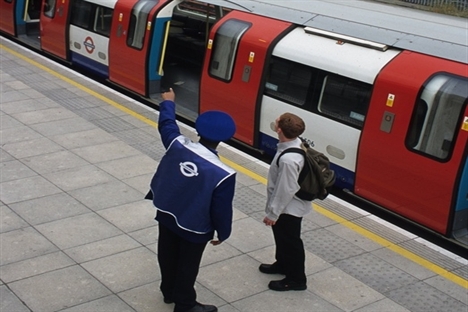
(270, 268)
(203, 308)
(168, 300)
(285, 285)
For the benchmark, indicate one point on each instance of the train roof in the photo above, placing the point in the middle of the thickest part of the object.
(396, 26)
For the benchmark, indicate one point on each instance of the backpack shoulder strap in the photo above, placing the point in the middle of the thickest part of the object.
(290, 150)
(301, 151)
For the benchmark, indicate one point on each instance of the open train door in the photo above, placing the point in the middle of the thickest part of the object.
(413, 145)
(136, 46)
(54, 27)
(238, 48)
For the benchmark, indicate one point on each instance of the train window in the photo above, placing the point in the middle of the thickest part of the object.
(344, 99)
(49, 8)
(226, 42)
(138, 20)
(102, 21)
(437, 115)
(288, 81)
(80, 14)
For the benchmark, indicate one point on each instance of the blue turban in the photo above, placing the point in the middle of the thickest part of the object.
(215, 126)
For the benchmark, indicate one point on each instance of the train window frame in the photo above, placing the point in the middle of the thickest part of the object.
(424, 130)
(137, 24)
(80, 12)
(354, 111)
(287, 90)
(103, 20)
(224, 50)
(49, 8)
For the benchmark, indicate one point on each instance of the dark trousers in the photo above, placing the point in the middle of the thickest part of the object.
(179, 261)
(290, 254)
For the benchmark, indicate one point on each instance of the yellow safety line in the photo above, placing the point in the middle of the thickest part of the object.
(372, 236)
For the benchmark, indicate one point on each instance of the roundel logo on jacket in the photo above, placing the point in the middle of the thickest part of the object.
(188, 169)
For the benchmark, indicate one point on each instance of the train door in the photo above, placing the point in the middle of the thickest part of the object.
(413, 145)
(7, 16)
(136, 43)
(238, 47)
(54, 27)
(20, 17)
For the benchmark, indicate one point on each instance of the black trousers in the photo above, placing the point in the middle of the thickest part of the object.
(179, 261)
(290, 254)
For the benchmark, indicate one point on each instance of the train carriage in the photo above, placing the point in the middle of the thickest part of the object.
(383, 90)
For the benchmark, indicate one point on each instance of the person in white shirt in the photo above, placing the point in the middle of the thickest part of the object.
(284, 210)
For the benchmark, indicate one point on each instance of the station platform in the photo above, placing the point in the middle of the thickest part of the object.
(77, 235)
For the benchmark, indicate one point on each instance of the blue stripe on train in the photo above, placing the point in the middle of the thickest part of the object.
(89, 64)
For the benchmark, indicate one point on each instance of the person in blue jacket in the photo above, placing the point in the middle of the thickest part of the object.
(192, 191)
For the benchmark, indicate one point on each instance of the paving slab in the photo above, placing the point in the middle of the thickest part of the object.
(59, 289)
(125, 270)
(49, 208)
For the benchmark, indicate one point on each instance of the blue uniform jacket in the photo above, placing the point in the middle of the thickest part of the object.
(192, 189)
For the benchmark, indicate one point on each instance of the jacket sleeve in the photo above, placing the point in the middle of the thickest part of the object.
(221, 207)
(167, 125)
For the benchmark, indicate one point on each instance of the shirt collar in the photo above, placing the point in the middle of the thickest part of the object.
(284, 145)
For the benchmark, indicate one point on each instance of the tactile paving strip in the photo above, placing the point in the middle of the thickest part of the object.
(375, 272)
(152, 149)
(432, 256)
(61, 95)
(423, 297)
(93, 113)
(463, 272)
(339, 210)
(15, 70)
(329, 246)
(113, 124)
(248, 201)
(75, 104)
(384, 232)
(135, 136)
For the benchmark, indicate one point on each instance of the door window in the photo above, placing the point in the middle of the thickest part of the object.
(436, 117)
(138, 21)
(102, 21)
(288, 81)
(81, 13)
(49, 8)
(226, 42)
(345, 99)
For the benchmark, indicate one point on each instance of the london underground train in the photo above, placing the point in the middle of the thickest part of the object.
(383, 90)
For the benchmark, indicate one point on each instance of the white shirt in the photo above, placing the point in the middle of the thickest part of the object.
(282, 184)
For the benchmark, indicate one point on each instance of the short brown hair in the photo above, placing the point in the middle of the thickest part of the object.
(291, 125)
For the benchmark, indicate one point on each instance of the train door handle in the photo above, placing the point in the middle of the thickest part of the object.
(387, 122)
(246, 73)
